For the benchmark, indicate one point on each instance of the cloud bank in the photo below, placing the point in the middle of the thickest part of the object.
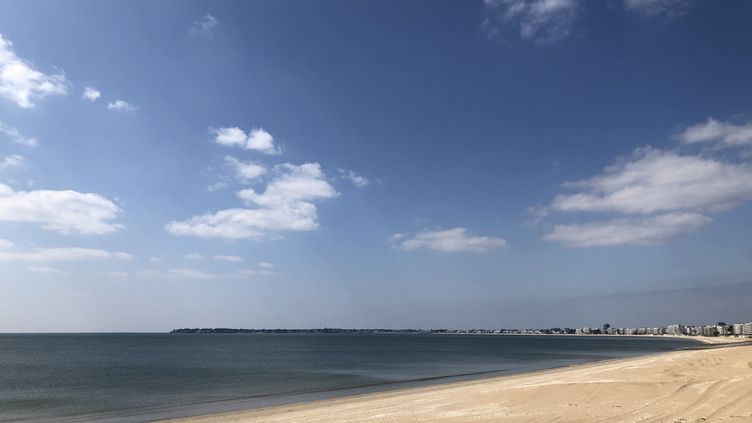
(656, 194)
(285, 205)
(60, 254)
(631, 231)
(655, 181)
(721, 134)
(60, 211)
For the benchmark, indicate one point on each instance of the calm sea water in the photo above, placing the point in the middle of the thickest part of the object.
(139, 377)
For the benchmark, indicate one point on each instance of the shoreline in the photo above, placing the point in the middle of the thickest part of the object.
(699, 338)
(709, 340)
(455, 400)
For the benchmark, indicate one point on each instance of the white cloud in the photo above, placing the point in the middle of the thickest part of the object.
(285, 204)
(155, 260)
(265, 265)
(656, 8)
(543, 21)
(258, 139)
(61, 254)
(91, 93)
(721, 133)
(246, 171)
(205, 25)
(653, 180)
(356, 179)
(448, 241)
(229, 259)
(16, 136)
(21, 83)
(230, 137)
(122, 105)
(186, 273)
(4, 244)
(43, 269)
(194, 256)
(11, 162)
(628, 231)
(294, 184)
(60, 211)
(662, 194)
(229, 224)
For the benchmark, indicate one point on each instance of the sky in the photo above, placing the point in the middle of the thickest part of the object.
(432, 164)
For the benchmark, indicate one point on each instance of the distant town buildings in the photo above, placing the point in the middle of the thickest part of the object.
(719, 329)
(741, 329)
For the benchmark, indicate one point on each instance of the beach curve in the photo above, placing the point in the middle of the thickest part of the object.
(690, 385)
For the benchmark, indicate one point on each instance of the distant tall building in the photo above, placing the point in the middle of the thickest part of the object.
(747, 329)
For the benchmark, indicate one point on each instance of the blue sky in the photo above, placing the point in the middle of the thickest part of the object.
(366, 164)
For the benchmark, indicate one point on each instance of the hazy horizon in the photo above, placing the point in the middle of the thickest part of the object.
(428, 164)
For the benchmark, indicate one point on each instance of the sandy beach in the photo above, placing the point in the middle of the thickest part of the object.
(712, 384)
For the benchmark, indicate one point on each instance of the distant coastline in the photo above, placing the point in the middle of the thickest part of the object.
(719, 330)
(299, 331)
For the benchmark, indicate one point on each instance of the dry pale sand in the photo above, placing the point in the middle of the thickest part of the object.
(684, 386)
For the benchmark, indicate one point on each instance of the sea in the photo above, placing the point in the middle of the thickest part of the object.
(148, 376)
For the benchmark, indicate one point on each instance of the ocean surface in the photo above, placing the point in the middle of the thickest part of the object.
(141, 377)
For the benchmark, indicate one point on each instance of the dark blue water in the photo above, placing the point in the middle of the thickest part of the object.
(138, 377)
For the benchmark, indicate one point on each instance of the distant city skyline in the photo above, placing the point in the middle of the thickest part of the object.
(497, 163)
